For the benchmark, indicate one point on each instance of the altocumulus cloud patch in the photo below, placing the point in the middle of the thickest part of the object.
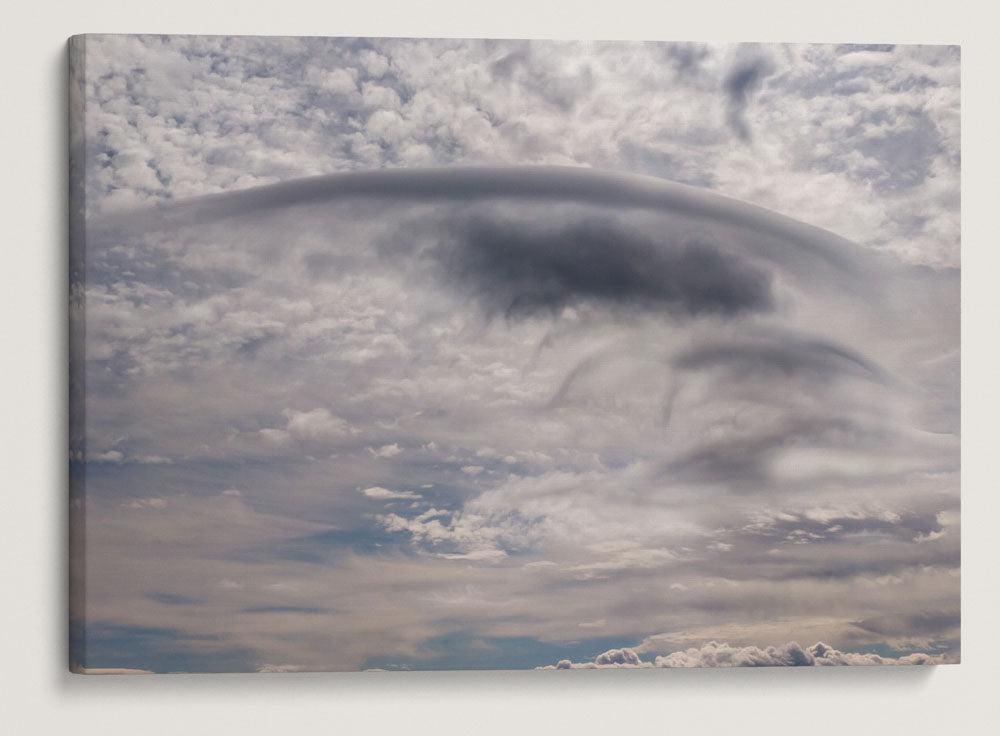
(406, 354)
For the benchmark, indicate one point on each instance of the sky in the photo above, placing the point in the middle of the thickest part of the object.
(412, 354)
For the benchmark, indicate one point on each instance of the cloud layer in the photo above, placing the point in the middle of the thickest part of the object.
(176, 117)
(493, 415)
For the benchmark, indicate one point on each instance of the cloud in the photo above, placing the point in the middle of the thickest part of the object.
(274, 668)
(686, 407)
(714, 654)
(479, 555)
(611, 659)
(463, 535)
(111, 456)
(533, 184)
(915, 624)
(651, 108)
(318, 424)
(740, 84)
(791, 654)
(723, 655)
(380, 493)
(145, 503)
(625, 404)
(521, 273)
(784, 354)
(153, 459)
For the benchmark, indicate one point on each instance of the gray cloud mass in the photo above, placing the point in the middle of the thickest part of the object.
(520, 273)
(742, 81)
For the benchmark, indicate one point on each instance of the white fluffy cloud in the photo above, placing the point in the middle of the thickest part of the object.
(317, 424)
(714, 654)
(864, 142)
(377, 492)
(611, 659)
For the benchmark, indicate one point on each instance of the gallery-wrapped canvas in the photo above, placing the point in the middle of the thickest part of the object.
(403, 354)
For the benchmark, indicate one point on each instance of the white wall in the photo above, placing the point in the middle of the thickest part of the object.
(39, 697)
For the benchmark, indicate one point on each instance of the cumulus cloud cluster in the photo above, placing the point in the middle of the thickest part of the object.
(611, 659)
(819, 127)
(389, 417)
(714, 654)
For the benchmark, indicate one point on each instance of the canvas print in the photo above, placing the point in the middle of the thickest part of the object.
(409, 354)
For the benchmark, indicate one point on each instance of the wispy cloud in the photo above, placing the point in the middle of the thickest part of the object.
(378, 492)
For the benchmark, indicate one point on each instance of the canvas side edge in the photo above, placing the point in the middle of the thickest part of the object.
(77, 334)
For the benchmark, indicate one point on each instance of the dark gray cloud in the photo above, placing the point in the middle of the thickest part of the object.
(740, 84)
(172, 599)
(687, 57)
(520, 272)
(786, 356)
(743, 461)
